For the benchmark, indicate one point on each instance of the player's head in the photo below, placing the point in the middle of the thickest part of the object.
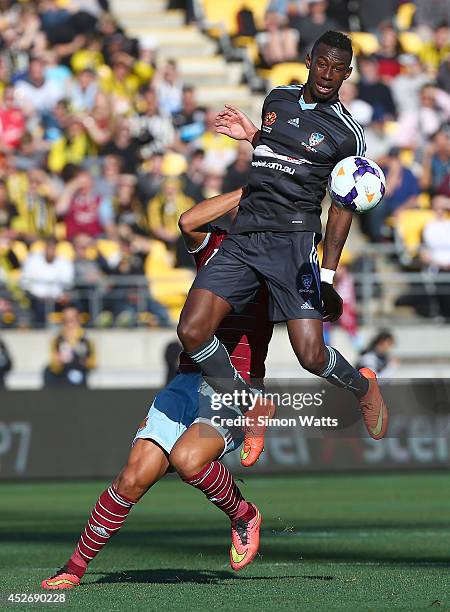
(329, 65)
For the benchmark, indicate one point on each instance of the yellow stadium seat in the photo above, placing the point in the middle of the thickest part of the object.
(20, 250)
(411, 42)
(107, 248)
(364, 43)
(409, 228)
(283, 74)
(65, 250)
(405, 15)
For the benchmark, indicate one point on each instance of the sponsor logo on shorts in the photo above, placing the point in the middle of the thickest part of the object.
(307, 280)
(306, 306)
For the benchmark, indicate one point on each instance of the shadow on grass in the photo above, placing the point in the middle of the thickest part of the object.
(177, 576)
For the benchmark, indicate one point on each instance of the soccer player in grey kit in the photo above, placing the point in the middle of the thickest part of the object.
(305, 132)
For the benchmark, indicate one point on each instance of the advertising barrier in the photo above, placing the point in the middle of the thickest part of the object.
(317, 428)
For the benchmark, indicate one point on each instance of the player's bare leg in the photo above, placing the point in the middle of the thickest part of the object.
(199, 320)
(306, 336)
(147, 463)
(194, 456)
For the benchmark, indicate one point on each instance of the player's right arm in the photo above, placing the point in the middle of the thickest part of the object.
(194, 222)
(234, 123)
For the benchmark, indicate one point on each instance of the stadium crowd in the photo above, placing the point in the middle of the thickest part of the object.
(103, 146)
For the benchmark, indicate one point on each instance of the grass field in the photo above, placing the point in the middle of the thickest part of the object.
(328, 543)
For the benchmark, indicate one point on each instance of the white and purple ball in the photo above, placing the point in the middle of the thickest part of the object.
(357, 184)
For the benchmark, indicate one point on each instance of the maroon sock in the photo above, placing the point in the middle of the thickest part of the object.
(217, 483)
(107, 517)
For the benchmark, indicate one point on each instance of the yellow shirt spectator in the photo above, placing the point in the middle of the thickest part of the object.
(72, 148)
(165, 210)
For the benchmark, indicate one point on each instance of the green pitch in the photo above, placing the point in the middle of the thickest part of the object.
(328, 543)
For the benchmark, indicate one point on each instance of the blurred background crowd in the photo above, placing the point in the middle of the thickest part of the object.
(105, 141)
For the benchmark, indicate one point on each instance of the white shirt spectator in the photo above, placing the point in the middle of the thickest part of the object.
(47, 280)
(436, 240)
(42, 99)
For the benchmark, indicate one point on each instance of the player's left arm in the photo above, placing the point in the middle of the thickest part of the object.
(336, 233)
(194, 222)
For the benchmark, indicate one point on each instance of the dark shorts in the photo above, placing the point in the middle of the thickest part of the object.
(286, 261)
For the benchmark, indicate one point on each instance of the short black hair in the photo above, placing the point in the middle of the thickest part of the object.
(334, 39)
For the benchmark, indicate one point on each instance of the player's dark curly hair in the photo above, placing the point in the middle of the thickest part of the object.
(334, 39)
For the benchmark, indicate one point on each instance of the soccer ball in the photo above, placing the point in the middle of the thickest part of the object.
(357, 184)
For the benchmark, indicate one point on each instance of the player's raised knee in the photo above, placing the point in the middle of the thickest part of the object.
(190, 334)
(186, 460)
(129, 483)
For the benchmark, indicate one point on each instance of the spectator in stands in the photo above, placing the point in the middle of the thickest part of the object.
(82, 209)
(402, 191)
(36, 92)
(372, 91)
(360, 110)
(313, 25)
(74, 147)
(7, 211)
(169, 89)
(437, 50)
(237, 173)
(122, 83)
(388, 53)
(219, 150)
(12, 121)
(72, 354)
(194, 177)
(407, 85)
(377, 355)
(89, 278)
(83, 90)
(5, 363)
(379, 140)
(152, 128)
(278, 42)
(36, 207)
(106, 183)
(128, 299)
(164, 211)
(419, 124)
(128, 209)
(435, 252)
(189, 122)
(47, 279)
(125, 146)
(436, 162)
(150, 177)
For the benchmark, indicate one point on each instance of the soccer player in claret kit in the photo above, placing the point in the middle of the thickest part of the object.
(305, 132)
(179, 433)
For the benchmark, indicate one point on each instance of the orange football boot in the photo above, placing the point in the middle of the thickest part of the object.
(244, 540)
(373, 408)
(61, 580)
(254, 431)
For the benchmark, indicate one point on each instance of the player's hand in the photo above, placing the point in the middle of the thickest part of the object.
(332, 303)
(234, 123)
